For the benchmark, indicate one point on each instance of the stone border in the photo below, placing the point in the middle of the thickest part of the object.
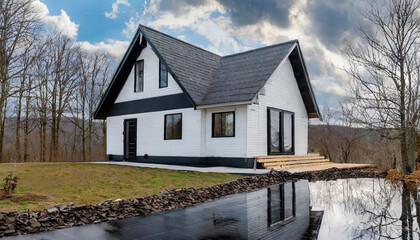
(64, 216)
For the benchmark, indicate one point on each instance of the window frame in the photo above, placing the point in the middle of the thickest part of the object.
(136, 77)
(164, 127)
(285, 220)
(214, 122)
(167, 74)
(281, 140)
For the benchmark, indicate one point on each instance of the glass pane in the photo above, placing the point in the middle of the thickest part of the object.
(169, 124)
(275, 205)
(139, 76)
(177, 126)
(173, 126)
(163, 75)
(275, 131)
(229, 124)
(288, 132)
(224, 124)
(288, 200)
(217, 127)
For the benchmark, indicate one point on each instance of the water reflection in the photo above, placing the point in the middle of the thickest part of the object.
(366, 209)
(278, 212)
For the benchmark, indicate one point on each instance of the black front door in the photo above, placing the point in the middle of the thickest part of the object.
(130, 139)
(281, 136)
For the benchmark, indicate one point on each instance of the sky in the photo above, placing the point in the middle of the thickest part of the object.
(323, 27)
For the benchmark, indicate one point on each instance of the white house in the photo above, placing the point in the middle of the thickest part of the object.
(172, 102)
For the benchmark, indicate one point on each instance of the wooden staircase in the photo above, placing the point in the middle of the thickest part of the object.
(293, 162)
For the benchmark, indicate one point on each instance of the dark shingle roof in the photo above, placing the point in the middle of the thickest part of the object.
(192, 66)
(207, 78)
(242, 75)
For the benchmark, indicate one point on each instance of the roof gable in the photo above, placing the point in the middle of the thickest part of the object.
(207, 78)
(242, 75)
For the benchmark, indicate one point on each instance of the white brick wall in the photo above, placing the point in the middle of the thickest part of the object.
(151, 80)
(281, 92)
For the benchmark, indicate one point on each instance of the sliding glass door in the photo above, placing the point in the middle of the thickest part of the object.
(280, 132)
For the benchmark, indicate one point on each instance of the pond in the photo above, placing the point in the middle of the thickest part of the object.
(341, 209)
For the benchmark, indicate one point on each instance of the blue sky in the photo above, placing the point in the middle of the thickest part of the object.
(323, 27)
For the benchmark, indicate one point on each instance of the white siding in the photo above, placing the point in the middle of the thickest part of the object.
(150, 134)
(281, 91)
(151, 80)
(227, 146)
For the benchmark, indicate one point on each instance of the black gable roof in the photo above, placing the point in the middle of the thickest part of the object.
(207, 78)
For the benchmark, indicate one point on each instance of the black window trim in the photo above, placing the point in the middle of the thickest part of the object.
(167, 75)
(273, 226)
(135, 77)
(269, 152)
(213, 123)
(164, 127)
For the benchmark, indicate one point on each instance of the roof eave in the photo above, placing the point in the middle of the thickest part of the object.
(98, 112)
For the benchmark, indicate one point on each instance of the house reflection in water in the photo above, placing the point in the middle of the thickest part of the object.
(277, 212)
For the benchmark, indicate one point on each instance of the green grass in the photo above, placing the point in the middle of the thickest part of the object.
(43, 185)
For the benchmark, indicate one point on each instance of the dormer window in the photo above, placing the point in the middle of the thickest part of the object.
(139, 76)
(163, 75)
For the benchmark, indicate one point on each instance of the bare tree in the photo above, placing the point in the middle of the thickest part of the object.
(385, 70)
(17, 22)
(63, 53)
(90, 87)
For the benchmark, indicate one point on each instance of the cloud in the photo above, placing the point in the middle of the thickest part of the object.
(115, 48)
(115, 8)
(323, 28)
(249, 12)
(61, 23)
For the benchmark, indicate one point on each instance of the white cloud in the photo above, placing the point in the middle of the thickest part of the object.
(181, 37)
(114, 47)
(196, 18)
(131, 26)
(61, 23)
(115, 8)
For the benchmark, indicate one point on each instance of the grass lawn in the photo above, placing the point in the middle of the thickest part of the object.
(44, 185)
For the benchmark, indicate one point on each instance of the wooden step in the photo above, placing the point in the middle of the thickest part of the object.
(289, 156)
(290, 163)
(302, 166)
(290, 159)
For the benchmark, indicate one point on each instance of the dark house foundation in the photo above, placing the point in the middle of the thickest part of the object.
(193, 161)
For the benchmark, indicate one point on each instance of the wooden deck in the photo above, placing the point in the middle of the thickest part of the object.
(309, 162)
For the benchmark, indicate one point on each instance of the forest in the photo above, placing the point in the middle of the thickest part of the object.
(49, 88)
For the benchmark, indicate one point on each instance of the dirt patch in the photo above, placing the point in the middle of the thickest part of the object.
(22, 222)
(17, 198)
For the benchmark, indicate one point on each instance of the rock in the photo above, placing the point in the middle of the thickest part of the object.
(52, 210)
(34, 223)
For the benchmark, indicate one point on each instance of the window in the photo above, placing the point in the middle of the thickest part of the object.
(163, 75)
(223, 124)
(281, 204)
(173, 126)
(280, 132)
(139, 76)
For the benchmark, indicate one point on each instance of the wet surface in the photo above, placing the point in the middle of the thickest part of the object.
(341, 209)
(366, 209)
(241, 216)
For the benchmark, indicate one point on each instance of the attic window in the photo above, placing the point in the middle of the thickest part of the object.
(163, 75)
(139, 76)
